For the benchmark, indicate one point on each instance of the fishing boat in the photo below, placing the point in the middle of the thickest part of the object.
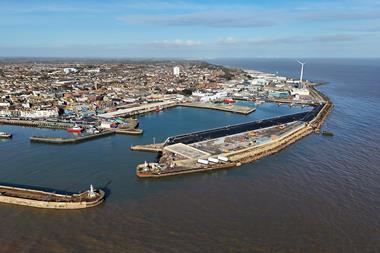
(228, 100)
(5, 135)
(50, 200)
(75, 129)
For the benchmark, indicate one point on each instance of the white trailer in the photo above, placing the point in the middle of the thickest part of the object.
(222, 158)
(203, 161)
(213, 160)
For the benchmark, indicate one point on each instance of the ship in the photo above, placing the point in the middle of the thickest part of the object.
(50, 200)
(5, 135)
(75, 129)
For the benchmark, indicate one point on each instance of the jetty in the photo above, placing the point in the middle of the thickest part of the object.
(155, 148)
(131, 131)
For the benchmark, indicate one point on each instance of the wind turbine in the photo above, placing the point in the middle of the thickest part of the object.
(302, 63)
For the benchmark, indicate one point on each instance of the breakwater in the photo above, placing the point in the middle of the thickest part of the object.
(60, 140)
(50, 200)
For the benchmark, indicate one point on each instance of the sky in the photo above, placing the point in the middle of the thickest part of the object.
(190, 29)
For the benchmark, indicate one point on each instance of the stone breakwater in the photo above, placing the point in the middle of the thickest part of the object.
(50, 200)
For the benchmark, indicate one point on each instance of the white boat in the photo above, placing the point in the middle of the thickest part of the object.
(5, 135)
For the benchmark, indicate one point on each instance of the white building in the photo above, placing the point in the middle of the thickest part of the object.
(176, 71)
(259, 81)
(92, 70)
(39, 114)
(213, 97)
(105, 124)
(70, 70)
(301, 92)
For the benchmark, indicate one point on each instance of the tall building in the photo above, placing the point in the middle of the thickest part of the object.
(176, 71)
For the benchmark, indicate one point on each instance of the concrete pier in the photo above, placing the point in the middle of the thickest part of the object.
(60, 140)
(133, 131)
(155, 148)
(245, 110)
(138, 109)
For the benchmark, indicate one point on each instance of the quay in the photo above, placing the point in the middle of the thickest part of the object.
(60, 140)
(245, 110)
(139, 109)
(36, 123)
(288, 101)
(151, 107)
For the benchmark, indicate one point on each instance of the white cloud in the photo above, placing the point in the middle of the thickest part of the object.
(227, 41)
(235, 17)
(179, 42)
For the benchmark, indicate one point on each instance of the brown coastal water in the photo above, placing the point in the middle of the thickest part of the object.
(319, 195)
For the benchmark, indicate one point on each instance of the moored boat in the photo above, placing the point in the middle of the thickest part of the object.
(5, 135)
(327, 133)
(75, 129)
(50, 200)
(228, 100)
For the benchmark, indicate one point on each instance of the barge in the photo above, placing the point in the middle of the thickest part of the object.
(51, 200)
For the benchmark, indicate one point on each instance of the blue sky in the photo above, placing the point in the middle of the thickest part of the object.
(190, 29)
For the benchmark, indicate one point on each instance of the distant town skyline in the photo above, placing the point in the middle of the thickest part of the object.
(190, 29)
